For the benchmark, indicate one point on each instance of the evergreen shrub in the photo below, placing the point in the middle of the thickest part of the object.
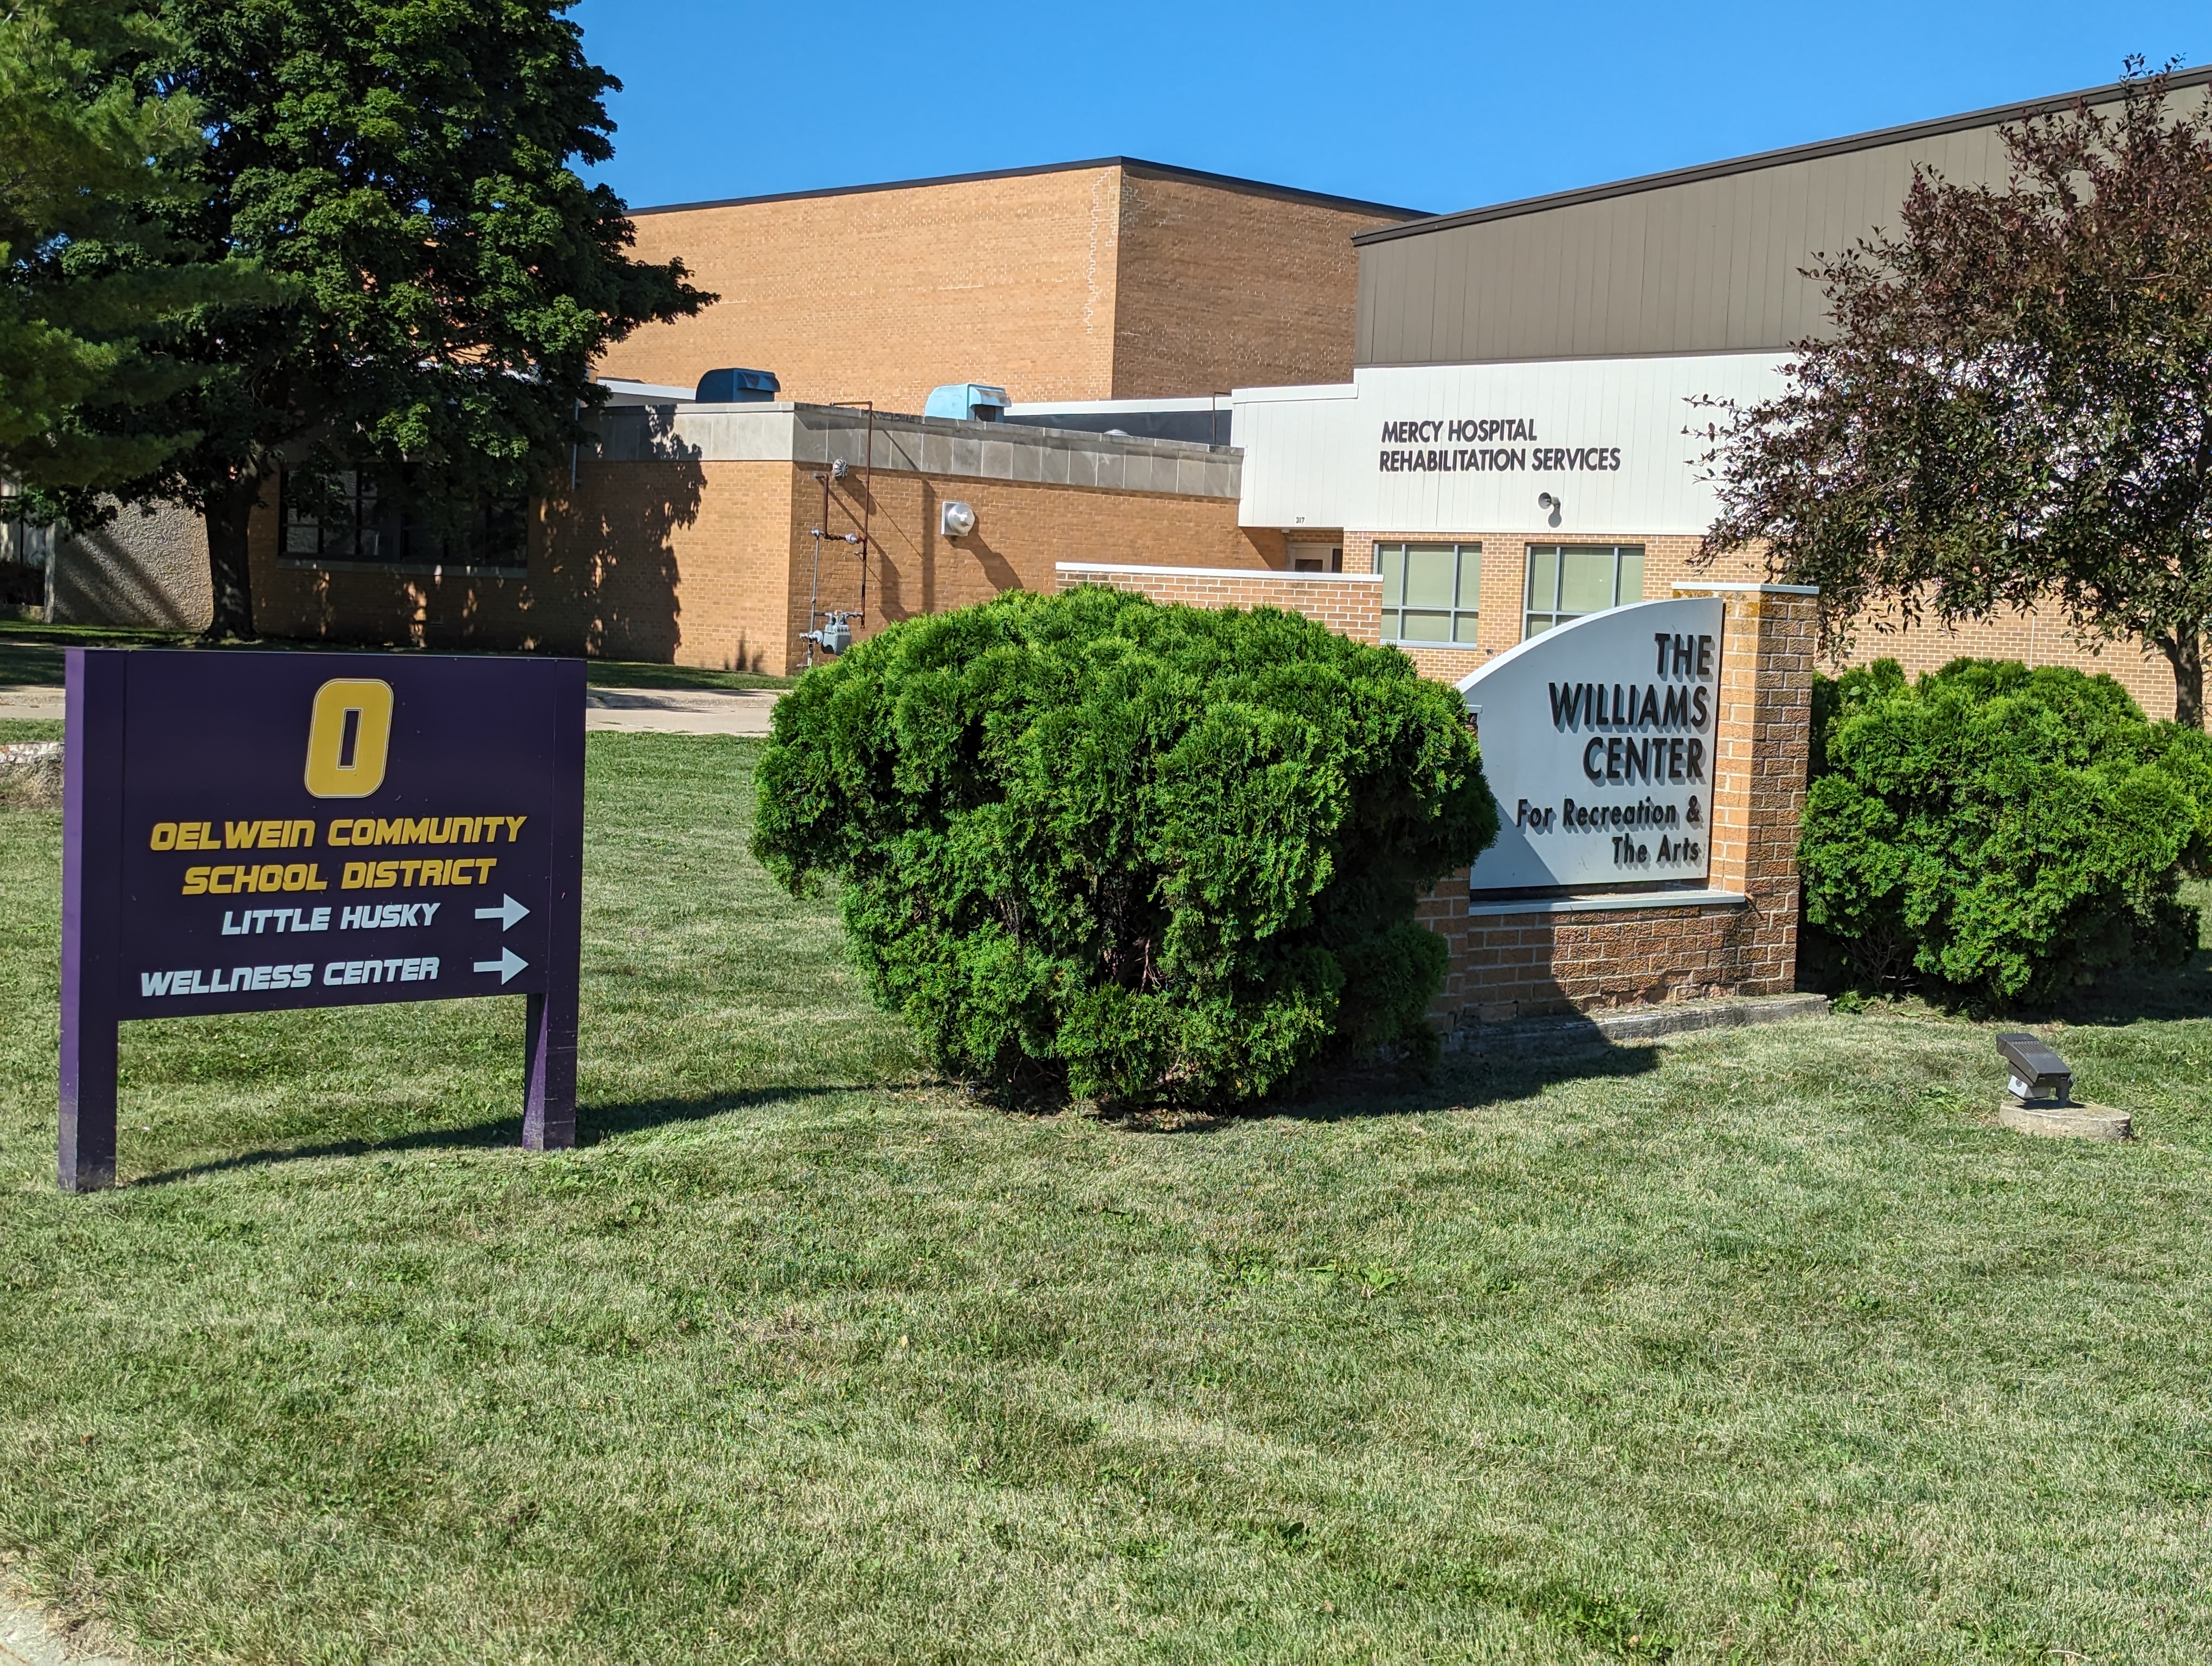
(1999, 834)
(1095, 844)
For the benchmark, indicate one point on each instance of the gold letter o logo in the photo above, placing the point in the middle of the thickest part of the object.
(348, 738)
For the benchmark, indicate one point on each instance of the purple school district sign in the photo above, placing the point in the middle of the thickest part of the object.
(253, 832)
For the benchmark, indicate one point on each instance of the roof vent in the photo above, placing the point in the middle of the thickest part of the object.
(969, 402)
(730, 388)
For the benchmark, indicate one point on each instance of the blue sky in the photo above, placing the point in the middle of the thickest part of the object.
(1439, 104)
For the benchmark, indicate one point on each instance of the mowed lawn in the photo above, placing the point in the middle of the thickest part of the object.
(1758, 1346)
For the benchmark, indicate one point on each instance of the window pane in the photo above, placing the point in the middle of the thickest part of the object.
(1632, 576)
(302, 538)
(1428, 574)
(1585, 580)
(1426, 627)
(1470, 575)
(1543, 578)
(1538, 624)
(1463, 628)
(1391, 561)
(1390, 626)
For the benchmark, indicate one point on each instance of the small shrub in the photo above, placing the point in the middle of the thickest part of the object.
(1093, 843)
(1998, 832)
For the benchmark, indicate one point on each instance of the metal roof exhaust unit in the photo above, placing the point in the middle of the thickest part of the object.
(967, 402)
(731, 388)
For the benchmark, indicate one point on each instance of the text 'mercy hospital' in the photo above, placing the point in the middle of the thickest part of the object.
(1485, 445)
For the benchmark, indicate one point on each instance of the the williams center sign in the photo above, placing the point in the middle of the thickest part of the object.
(1597, 740)
(248, 832)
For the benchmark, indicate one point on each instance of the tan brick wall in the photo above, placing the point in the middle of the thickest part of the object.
(1350, 606)
(1023, 530)
(1220, 289)
(2033, 639)
(1025, 282)
(713, 563)
(661, 560)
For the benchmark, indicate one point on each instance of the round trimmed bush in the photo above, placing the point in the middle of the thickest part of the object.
(1093, 843)
(1998, 832)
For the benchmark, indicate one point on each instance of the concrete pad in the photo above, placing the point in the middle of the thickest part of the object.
(680, 711)
(29, 1638)
(31, 700)
(2078, 1121)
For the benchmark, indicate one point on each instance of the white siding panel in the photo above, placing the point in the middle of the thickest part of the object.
(1299, 445)
(1641, 405)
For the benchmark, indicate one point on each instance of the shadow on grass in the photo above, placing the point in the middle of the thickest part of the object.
(2131, 996)
(594, 1123)
(1491, 1072)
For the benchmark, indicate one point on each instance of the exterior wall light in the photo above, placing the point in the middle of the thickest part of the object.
(957, 520)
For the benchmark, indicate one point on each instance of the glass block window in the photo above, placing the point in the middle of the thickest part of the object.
(1567, 580)
(1430, 592)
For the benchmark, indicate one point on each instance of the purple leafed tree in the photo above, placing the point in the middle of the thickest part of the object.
(2012, 405)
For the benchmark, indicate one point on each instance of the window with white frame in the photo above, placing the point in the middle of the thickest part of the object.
(1430, 592)
(1567, 580)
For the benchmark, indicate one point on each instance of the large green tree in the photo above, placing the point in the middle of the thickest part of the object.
(88, 275)
(404, 167)
(2013, 406)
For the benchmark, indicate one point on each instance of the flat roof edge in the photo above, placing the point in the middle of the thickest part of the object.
(1996, 116)
(1132, 165)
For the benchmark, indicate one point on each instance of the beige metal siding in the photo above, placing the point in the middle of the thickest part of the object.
(1703, 265)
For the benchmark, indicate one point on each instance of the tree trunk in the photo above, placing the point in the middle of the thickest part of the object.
(2187, 655)
(229, 522)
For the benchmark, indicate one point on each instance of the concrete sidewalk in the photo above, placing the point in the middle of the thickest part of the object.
(680, 711)
(28, 1639)
(628, 711)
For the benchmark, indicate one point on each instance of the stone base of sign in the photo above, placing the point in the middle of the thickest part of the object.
(1627, 1025)
(2073, 1122)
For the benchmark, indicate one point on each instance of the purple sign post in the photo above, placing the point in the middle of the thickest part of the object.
(255, 832)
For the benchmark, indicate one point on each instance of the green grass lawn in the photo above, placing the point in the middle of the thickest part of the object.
(1758, 1346)
(32, 653)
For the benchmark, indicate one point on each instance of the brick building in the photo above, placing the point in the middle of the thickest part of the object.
(1119, 301)
(719, 535)
(1113, 279)
(1517, 441)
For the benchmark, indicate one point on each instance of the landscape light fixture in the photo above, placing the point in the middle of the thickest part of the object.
(2037, 1073)
(2040, 1094)
(958, 519)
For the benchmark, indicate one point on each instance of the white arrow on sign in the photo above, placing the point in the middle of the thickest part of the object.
(507, 913)
(507, 965)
